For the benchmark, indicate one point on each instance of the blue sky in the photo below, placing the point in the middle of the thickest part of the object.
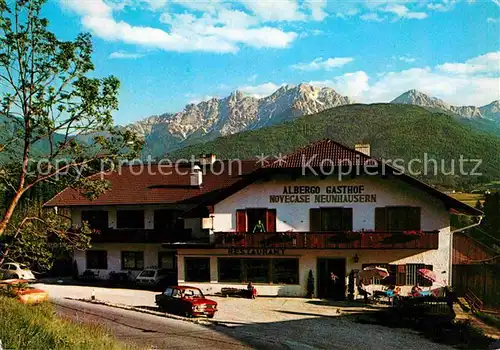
(171, 52)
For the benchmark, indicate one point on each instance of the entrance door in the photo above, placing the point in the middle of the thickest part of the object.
(331, 278)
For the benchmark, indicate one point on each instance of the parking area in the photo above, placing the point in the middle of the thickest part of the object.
(290, 323)
(231, 310)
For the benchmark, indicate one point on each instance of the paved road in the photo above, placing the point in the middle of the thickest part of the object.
(147, 331)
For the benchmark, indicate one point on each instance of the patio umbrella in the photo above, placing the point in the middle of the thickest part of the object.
(373, 272)
(427, 274)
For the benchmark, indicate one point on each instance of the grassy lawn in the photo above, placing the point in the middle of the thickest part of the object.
(468, 198)
(38, 327)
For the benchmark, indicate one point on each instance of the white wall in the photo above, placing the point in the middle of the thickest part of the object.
(307, 261)
(389, 192)
(296, 216)
(114, 256)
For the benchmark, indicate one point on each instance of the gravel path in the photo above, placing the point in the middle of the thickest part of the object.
(287, 323)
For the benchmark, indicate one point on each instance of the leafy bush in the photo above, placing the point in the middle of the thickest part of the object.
(38, 327)
(310, 284)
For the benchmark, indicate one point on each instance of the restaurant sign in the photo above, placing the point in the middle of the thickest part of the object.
(256, 251)
(327, 194)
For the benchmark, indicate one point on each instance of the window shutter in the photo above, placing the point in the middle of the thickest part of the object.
(241, 220)
(380, 219)
(347, 219)
(271, 220)
(314, 219)
(401, 276)
(414, 218)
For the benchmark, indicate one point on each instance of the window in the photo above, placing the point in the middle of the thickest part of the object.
(330, 219)
(258, 270)
(130, 219)
(402, 274)
(230, 270)
(132, 260)
(97, 259)
(256, 220)
(166, 260)
(286, 271)
(168, 220)
(168, 292)
(279, 271)
(147, 273)
(397, 218)
(413, 277)
(96, 219)
(197, 269)
(176, 293)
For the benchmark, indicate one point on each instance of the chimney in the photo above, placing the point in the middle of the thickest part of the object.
(196, 176)
(363, 148)
(207, 159)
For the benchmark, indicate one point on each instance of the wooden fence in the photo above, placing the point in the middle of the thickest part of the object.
(482, 279)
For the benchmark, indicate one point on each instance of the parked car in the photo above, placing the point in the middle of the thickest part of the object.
(155, 277)
(16, 271)
(186, 301)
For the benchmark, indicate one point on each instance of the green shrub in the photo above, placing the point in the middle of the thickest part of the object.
(38, 327)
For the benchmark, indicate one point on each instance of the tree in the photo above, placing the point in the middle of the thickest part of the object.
(310, 284)
(56, 121)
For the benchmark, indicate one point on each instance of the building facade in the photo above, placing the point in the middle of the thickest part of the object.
(273, 225)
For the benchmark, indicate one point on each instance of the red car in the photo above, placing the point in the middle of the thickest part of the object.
(186, 301)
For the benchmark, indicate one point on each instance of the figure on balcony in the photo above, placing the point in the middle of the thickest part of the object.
(259, 227)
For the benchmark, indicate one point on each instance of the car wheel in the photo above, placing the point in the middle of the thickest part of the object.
(15, 276)
(211, 316)
(188, 314)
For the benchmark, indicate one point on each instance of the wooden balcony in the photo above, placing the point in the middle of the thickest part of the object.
(329, 240)
(138, 236)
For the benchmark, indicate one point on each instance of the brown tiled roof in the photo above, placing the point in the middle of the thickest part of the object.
(130, 186)
(322, 153)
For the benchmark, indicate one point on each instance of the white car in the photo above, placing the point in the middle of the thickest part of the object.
(16, 271)
(153, 277)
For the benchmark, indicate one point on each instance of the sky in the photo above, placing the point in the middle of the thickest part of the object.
(168, 53)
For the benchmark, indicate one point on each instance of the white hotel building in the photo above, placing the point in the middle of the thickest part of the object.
(223, 224)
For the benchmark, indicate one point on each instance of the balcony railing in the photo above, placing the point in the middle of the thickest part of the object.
(139, 236)
(329, 240)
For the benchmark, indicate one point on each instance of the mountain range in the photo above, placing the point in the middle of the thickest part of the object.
(239, 112)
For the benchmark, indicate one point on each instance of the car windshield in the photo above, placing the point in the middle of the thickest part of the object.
(193, 293)
(147, 273)
(24, 267)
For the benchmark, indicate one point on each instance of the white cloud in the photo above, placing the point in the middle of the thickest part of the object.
(261, 90)
(222, 32)
(497, 2)
(124, 55)
(284, 10)
(491, 20)
(406, 58)
(372, 17)
(156, 4)
(402, 11)
(320, 63)
(317, 8)
(453, 89)
(349, 84)
(487, 63)
(473, 88)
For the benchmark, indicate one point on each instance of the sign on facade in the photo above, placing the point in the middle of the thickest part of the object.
(256, 251)
(327, 194)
